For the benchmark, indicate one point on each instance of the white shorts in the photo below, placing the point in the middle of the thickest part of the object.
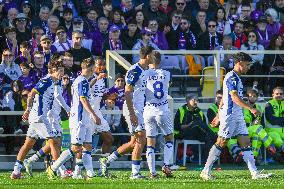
(231, 126)
(132, 129)
(81, 134)
(39, 130)
(103, 127)
(55, 123)
(153, 122)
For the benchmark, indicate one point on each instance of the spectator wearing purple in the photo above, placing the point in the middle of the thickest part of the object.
(152, 12)
(82, 6)
(91, 20)
(245, 12)
(8, 4)
(117, 18)
(28, 78)
(128, 9)
(62, 44)
(37, 33)
(158, 37)
(100, 36)
(145, 41)
(220, 17)
(67, 21)
(10, 41)
(42, 18)
(38, 67)
(66, 89)
(23, 33)
(25, 53)
(262, 33)
(113, 42)
(118, 89)
(68, 64)
(45, 43)
(9, 21)
(69, 4)
(273, 25)
(210, 39)
(57, 8)
(107, 8)
(53, 23)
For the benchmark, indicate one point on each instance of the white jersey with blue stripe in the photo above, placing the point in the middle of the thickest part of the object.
(232, 82)
(97, 92)
(43, 100)
(156, 91)
(135, 77)
(79, 89)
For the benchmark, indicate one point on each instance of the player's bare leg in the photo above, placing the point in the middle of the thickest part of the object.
(107, 139)
(140, 137)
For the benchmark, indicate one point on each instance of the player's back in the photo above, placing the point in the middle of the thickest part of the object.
(156, 91)
(79, 89)
(43, 100)
(135, 77)
(232, 82)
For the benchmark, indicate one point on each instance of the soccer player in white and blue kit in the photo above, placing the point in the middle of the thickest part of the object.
(80, 128)
(157, 114)
(231, 117)
(133, 112)
(39, 103)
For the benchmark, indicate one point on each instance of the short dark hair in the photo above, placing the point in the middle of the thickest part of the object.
(25, 44)
(156, 57)
(144, 51)
(278, 87)
(25, 64)
(58, 63)
(252, 91)
(241, 57)
(220, 92)
(67, 10)
(9, 29)
(87, 63)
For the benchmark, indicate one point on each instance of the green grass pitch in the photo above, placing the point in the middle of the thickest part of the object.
(189, 179)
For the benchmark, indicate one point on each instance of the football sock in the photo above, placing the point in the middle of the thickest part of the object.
(150, 154)
(135, 167)
(87, 160)
(78, 167)
(168, 152)
(112, 157)
(39, 154)
(18, 166)
(213, 156)
(249, 159)
(64, 156)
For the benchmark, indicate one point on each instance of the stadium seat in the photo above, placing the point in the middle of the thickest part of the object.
(208, 82)
(185, 143)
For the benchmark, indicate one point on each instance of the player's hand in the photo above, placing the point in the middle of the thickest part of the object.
(134, 120)
(25, 116)
(255, 111)
(215, 122)
(101, 75)
(96, 119)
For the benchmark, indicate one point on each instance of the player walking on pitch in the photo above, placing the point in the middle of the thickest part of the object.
(232, 122)
(157, 114)
(133, 112)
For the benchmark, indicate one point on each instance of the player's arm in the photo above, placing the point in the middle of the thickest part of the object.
(30, 101)
(128, 98)
(94, 80)
(58, 96)
(240, 102)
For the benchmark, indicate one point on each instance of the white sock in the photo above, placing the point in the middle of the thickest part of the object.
(62, 169)
(113, 156)
(250, 161)
(37, 156)
(135, 167)
(78, 167)
(64, 156)
(168, 152)
(18, 166)
(213, 156)
(150, 154)
(87, 160)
